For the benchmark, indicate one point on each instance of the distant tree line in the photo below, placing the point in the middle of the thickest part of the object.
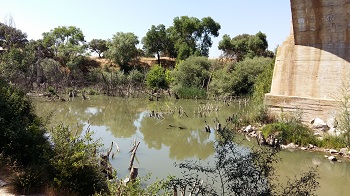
(61, 59)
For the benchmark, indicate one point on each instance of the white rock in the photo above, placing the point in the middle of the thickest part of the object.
(332, 158)
(318, 123)
(333, 151)
(303, 148)
(332, 122)
(343, 151)
(248, 129)
(332, 132)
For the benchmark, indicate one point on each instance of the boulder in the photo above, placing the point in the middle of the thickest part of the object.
(333, 151)
(248, 129)
(318, 123)
(332, 132)
(332, 123)
(292, 146)
(332, 158)
(343, 151)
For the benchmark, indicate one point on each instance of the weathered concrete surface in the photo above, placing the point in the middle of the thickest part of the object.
(312, 65)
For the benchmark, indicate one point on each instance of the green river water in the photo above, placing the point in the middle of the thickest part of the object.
(127, 120)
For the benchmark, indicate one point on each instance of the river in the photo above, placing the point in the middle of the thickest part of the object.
(174, 135)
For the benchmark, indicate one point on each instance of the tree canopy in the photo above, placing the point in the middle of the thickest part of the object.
(122, 49)
(192, 36)
(65, 42)
(11, 37)
(156, 41)
(98, 45)
(245, 45)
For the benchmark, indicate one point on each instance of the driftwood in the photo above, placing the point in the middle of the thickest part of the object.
(133, 156)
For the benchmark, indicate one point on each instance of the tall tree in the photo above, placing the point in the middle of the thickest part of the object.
(122, 49)
(156, 41)
(245, 45)
(193, 36)
(65, 42)
(98, 45)
(11, 37)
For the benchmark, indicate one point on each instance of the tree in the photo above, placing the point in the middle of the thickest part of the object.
(65, 42)
(156, 41)
(192, 36)
(98, 45)
(11, 37)
(122, 49)
(245, 45)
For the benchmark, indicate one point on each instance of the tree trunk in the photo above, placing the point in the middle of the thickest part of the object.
(158, 56)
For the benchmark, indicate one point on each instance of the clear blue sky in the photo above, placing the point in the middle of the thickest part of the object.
(102, 19)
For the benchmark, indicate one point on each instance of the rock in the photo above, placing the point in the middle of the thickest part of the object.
(318, 123)
(332, 132)
(332, 158)
(333, 151)
(292, 146)
(303, 148)
(343, 151)
(310, 146)
(248, 129)
(332, 123)
(260, 138)
(253, 134)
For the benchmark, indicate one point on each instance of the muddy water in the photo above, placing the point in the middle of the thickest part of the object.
(176, 135)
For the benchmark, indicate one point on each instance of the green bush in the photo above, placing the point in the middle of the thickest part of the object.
(290, 132)
(192, 72)
(76, 165)
(156, 78)
(262, 84)
(332, 142)
(28, 180)
(190, 93)
(22, 132)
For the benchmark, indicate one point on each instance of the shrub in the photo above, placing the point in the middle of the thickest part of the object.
(192, 72)
(190, 93)
(332, 142)
(156, 78)
(76, 164)
(290, 132)
(22, 132)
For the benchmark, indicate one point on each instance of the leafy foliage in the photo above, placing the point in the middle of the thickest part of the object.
(240, 78)
(290, 132)
(245, 45)
(76, 163)
(192, 36)
(98, 45)
(193, 72)
(156, 41)
(11, 37)
(262, 84)
(122, 49)
(66, 42)
(22, 133)
(156, 78)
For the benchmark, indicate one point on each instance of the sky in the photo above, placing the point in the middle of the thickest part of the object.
(104, 18)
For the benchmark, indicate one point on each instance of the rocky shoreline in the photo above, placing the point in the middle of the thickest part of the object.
(320, 129)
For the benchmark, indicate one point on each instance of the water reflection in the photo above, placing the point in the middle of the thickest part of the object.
(130, 119)
(123, 120)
